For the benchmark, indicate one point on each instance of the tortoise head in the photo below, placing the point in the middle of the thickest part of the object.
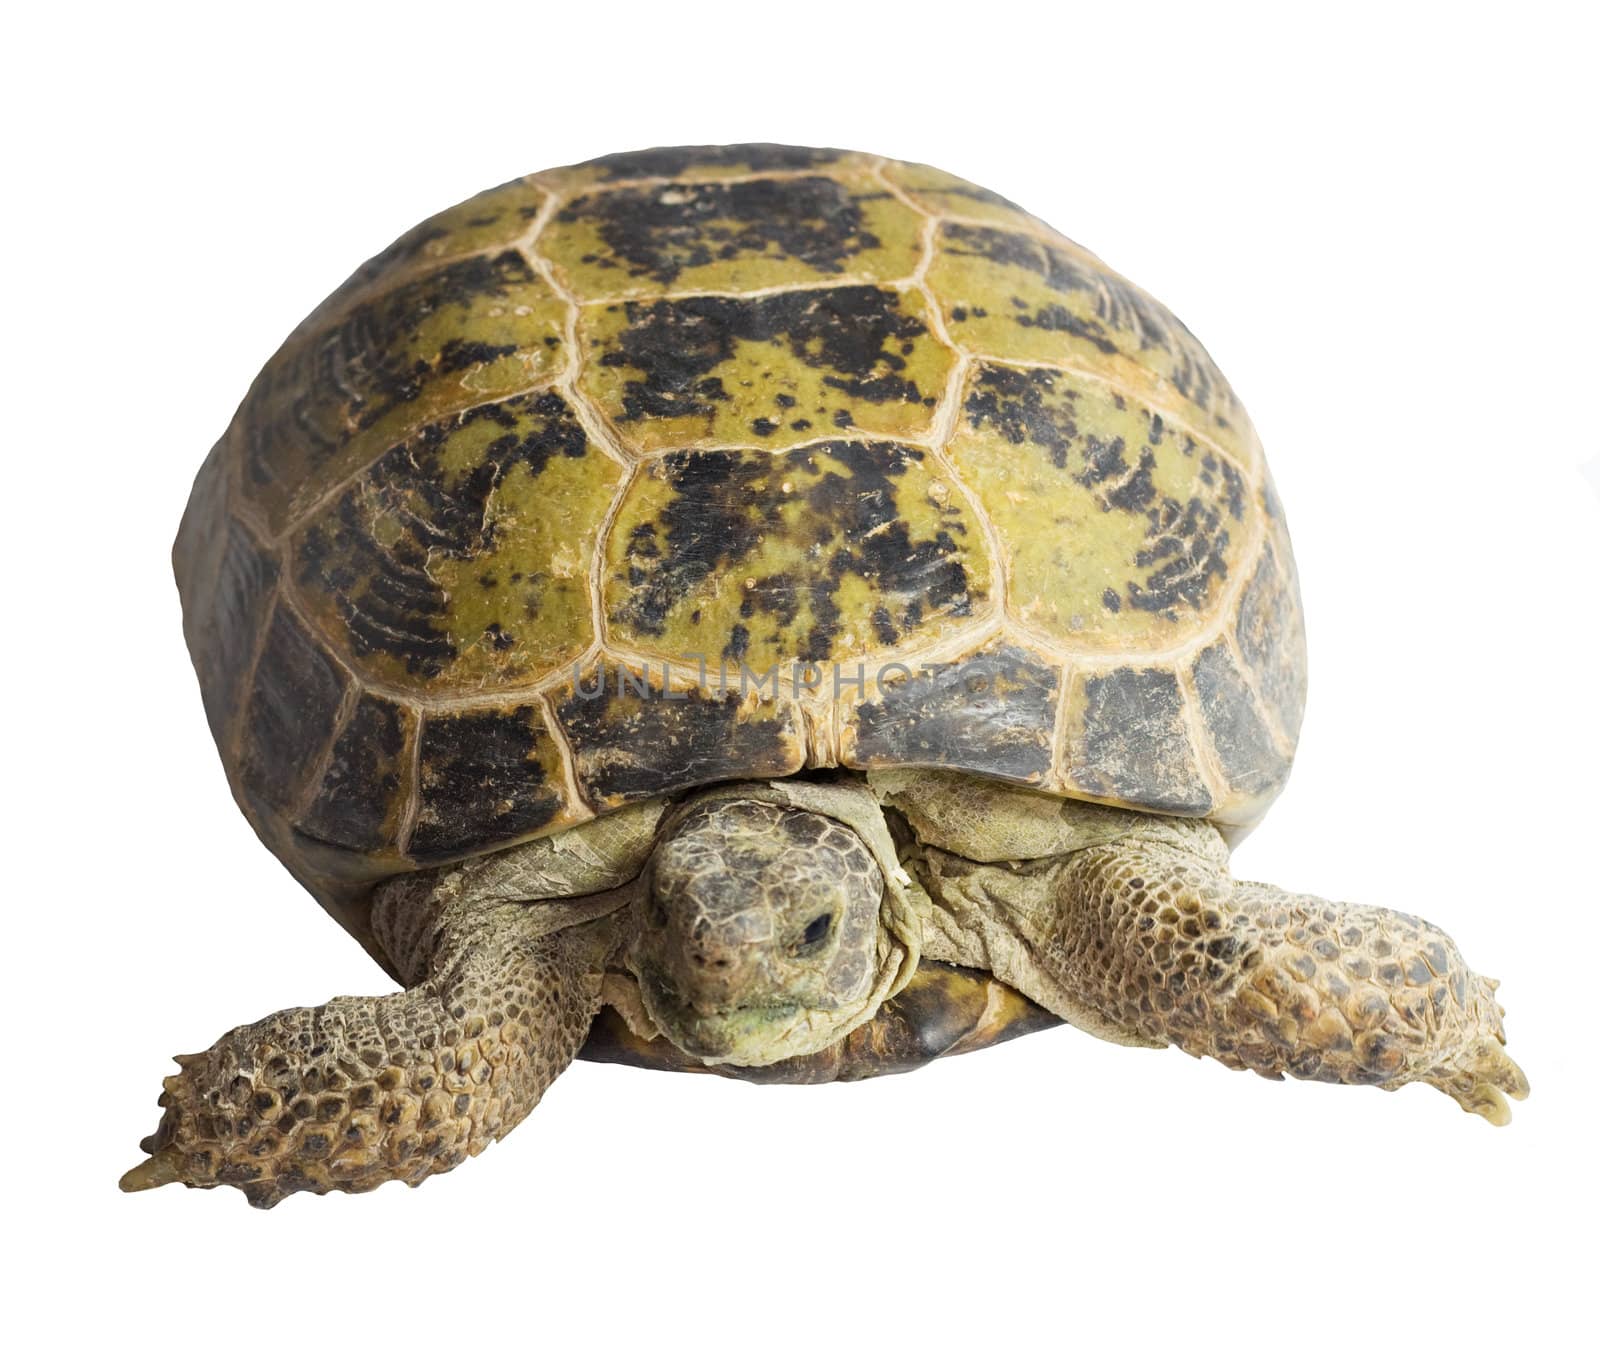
(760, 935)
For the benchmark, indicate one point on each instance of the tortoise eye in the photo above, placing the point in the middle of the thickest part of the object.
(817, 930)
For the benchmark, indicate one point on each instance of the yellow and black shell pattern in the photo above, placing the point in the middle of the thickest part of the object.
(709, 463)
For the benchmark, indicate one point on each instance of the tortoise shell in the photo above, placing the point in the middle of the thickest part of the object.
(711, 463)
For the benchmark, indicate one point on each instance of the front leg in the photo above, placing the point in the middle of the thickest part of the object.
(359, 1091)
(1158, 938)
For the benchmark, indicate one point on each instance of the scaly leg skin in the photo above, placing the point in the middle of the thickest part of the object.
(1162, 940)
(349, 1095)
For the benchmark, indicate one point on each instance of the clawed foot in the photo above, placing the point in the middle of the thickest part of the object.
(1478, 1074)
(166, 1163)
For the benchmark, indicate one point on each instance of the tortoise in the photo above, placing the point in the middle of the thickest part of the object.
(769, 610)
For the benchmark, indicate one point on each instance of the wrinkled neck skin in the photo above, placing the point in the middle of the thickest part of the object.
(774, 920)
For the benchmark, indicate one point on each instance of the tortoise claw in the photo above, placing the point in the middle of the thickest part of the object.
(1479, 1078)
(165, 1166)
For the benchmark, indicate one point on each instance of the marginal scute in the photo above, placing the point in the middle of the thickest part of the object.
(768, 370)
(714, 236)
(202, 537)
(1245, 751)
(634, 735)
(1271, 635)
(1120, 530)
(226, 579)
(336, 395)
(992, 713)
(485, 777)
(360, 798)
(293, 705)
(460, 560)
(1127, 742)
(828, 551)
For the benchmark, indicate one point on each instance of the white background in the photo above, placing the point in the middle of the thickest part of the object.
(1378, 221)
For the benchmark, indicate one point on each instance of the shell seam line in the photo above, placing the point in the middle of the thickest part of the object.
(290, 598)
(943, 429)
(602, 547)
(402, 274)
(318, 771)
(1250, 459)
(1047, 236)
(593, 420)
(1058, 735)
(252, 528)
(239, 508)
(565, 754)
(1269, 715)
(899, 282)
(1207, 761)
(411, 809)
(333, 492)
(247, 683)
(421, 264)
